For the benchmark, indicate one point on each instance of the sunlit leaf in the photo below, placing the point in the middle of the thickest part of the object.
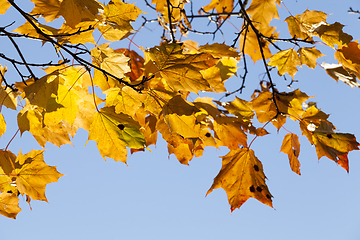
(242, 177)
(291, 146)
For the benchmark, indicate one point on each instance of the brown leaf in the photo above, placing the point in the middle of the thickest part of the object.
(291, 146)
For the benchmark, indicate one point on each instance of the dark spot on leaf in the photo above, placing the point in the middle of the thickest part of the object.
(256, 167)
(268, 196)
(252, 188)
(207, 135)
(329, 136)
(13, 179)
(259, 189)
(121, 126)
(9, 191)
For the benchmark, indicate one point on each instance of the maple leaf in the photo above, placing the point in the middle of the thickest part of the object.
(178, 145)
(113, 132)
(242, 177)
(7, 165)
(333, 35)
(228, 131)
(348, 57)
(136, 63)
(249, 42)
(9, 205)
(2, 125)
(239, 107)
(291, 146)
(126, 100)
(296, 29)
(221, 6)
(219, 50)
(338, 72)
(8, 97)
(176, 9)
(116, 18)
(263, 11)
(74, 11)
(28, 30)
(310, 20)
(34, 174)
(4, 6)
(181, 71)
(179, 114)
(74, 36)
(335, 146)
(49, 9)
(308, 56)
(113, 62)
(285, 61)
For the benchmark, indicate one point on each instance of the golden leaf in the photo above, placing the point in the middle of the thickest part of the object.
(335, 146)
(9, 205)
(262, 12)
(338, 72)
(2, 125)
(116, 20)
(333, 35)
(113, 132)
(242, 177)
(348, 57)
(221, 6)
(179, 114)
(126, 100)
(74, 11)
(4, 5)
(309, 56)
(34, 175)
(181, 71)
(228, 131)
(77, 38)
(29, 30)
(291, 146)
(49, 9)
(286, 61)
(239, 107)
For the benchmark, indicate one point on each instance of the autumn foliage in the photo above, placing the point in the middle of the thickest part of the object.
(125, 98)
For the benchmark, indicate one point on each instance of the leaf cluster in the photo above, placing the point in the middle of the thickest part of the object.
(125, 98)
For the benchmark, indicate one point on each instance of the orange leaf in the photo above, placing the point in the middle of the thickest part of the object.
(242, 177)
(291, 146)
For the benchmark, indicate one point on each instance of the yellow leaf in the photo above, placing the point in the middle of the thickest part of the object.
(74, 11)
(126, 100)
(335, 146)
(251, 42)
(49, 9)
(311, 20)
(7, 165)
(221, 6)
(113, 62)
(29, 30)
(309, 56)
(295, 28)
(333, 35)
(116, 20)
(291, 146)
(77, 38)
(113, 132)
(242, 177)
(286, 62)
(262, 12)
(176, 7)
(4, 5)
(2, 125)
(9, 204)
(179, 114)
(239, 107)
(219, 50)
(34, 175)
(181, 71)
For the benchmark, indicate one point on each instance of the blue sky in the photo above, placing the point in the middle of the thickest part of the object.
(156, 197)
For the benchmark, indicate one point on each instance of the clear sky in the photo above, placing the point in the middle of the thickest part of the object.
(156, 197)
